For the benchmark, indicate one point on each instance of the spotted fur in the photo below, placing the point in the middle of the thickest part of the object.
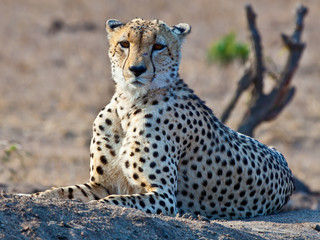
(157, 147)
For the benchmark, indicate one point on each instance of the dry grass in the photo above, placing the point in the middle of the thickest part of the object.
(53, 85)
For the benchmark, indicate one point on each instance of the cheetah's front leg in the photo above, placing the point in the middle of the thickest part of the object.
(105, 144)
(151, 170)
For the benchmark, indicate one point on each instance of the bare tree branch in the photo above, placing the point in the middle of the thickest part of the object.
(253, 72)
(262, 107)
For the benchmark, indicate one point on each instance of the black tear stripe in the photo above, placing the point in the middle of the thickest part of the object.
(151, 57)
(125, 61)
(154, 68)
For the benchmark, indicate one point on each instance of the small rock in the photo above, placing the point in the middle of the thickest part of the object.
(56, 26)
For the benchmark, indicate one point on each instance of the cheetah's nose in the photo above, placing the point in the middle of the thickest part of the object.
(137, 70)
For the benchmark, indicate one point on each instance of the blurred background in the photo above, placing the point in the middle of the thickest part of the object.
(55, 78)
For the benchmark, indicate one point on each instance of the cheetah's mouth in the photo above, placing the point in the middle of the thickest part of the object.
(138, 82)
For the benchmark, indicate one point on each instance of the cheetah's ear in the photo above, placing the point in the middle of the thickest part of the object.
(181, 29)
(112, 24)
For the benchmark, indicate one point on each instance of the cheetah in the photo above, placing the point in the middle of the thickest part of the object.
(157, 147)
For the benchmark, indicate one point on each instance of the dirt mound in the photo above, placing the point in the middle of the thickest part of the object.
(27, 218)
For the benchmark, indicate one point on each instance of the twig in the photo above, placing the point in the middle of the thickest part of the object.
(243, 85)
(257, 65)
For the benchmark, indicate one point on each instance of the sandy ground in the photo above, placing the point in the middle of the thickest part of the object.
(25, 218)
(53, 83)
(55, 77)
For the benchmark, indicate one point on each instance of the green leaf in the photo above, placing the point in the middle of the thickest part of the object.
(227, 49)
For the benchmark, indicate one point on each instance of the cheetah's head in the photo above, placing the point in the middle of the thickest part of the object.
(144, 54)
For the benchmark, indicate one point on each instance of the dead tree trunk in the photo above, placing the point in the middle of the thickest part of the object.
(265, 107)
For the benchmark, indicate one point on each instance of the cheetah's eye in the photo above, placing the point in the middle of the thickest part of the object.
(124, 44)
(158, 46)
